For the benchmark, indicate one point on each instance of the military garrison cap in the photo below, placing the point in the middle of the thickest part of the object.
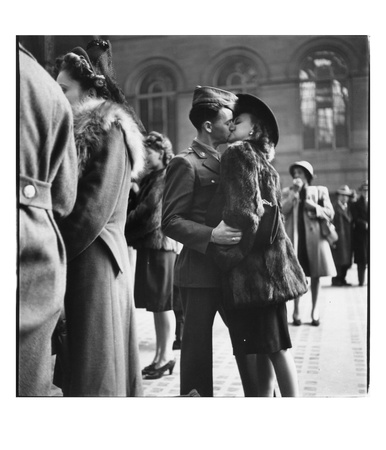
(211, 96)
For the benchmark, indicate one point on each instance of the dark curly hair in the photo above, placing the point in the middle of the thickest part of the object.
(159, 142)
(80, 70)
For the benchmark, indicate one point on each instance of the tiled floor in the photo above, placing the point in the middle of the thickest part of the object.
(330, 359)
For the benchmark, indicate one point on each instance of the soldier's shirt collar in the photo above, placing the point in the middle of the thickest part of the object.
(208, 148)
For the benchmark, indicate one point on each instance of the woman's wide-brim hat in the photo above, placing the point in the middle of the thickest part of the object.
(304, 165)
(251, 104)
(344, 190)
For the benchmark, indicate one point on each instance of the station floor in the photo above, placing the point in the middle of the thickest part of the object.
(331, 359)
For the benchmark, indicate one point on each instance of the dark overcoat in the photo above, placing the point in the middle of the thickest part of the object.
(342, 250)
(143, 225)
(104, 359)
(360, 230)
(192, 178)
(255, 275)
(47, 182)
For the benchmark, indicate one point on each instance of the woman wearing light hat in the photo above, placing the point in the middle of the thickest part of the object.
(303, 206)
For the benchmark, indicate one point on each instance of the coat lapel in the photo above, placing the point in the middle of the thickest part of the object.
(209, 161)
(212, 164)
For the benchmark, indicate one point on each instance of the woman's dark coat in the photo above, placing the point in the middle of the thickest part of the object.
(143, 226)
(104, 359)
(47, 180)
(255, 276)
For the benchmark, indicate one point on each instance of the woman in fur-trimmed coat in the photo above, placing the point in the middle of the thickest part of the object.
(253, 275)
(103, 347)
(156, 253)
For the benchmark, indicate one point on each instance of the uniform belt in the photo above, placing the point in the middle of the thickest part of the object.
(34, 192)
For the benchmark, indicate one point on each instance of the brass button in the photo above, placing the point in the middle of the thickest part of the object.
(212, 181)
(29, 191)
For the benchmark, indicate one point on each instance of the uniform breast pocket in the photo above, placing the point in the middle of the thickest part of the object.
(209, 179)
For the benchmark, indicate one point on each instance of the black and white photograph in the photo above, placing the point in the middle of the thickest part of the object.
(152, 227)
(192, 235)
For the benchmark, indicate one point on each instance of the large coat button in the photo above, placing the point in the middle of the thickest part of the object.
(29, 191)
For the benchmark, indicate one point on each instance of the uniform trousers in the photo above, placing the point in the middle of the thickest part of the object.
(200, 306)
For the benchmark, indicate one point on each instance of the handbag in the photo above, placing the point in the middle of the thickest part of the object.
(268, 226)
(328, 231)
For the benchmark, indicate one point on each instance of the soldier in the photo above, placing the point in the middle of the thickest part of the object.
(191, 182)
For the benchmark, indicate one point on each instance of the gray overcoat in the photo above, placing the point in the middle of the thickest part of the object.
(47, 183)
(103, 347)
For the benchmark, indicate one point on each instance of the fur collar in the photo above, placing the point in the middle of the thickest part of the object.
(93, 119)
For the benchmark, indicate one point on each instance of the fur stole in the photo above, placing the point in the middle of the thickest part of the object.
(254, 277)
(247, 178)
(93, 119)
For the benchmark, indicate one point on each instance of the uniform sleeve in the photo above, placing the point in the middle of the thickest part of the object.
(97, 196)
(177, 204)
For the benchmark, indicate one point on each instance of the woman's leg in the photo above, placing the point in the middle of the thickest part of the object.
(315, 288)
(286, 374)
(257, 375)
(296, 313)
(157, 344)
(164, 327)
(247, 369)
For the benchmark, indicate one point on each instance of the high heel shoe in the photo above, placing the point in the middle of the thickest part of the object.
(148, 369)
(296, 322)
(158, 373)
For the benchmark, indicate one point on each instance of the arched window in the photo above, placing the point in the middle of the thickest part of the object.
(156, 99)
(324, 100)
(237, 74)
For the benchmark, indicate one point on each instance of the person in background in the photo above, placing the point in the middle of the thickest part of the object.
(304, 206)
(260, 276)
(342, 249)
(156, 254)
(192, 178)
(103, 347)
(360, 214)
(47, 193)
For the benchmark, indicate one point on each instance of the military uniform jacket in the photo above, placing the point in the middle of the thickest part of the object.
(192, 178)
